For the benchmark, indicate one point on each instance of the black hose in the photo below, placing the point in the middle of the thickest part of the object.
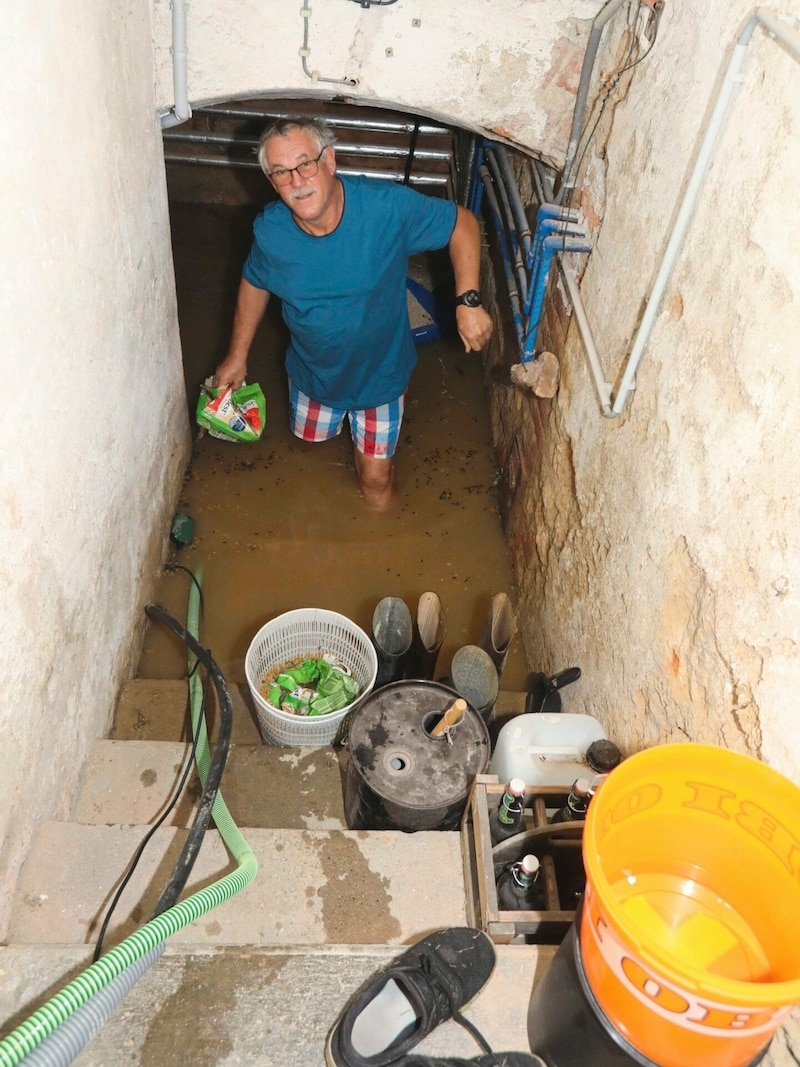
(191, 848)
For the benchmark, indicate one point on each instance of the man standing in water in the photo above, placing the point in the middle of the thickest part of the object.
(335, 251)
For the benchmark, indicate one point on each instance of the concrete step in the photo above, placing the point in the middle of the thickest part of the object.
(263, 785)
(255, 1006)
(155, 709)
(313, 887)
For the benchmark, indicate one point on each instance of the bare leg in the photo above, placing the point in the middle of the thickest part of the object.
(376, 479)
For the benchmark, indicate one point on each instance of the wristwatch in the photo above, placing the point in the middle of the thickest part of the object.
(471, 299)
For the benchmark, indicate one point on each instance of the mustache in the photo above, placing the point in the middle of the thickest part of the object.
(300, 194)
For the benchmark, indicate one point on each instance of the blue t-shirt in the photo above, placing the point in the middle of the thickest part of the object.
(344, 295)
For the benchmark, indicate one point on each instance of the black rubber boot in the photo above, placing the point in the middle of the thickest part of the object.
(475, 678)
(498, 633)
(392, 631)
(430, 627)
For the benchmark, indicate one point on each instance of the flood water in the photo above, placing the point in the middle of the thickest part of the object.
(279, 524)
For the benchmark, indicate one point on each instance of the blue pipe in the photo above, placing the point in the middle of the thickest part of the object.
(551, 245)
(544, 230)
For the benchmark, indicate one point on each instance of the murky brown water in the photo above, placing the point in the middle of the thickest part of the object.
(280, 525)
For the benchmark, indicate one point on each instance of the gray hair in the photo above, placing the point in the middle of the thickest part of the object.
(319, 131)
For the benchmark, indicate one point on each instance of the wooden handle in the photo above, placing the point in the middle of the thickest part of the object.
(452, 717)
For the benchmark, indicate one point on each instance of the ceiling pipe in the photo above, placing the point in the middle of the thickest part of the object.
(181, 111)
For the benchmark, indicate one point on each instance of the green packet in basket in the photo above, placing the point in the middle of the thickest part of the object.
(313, 687)
(232, 416)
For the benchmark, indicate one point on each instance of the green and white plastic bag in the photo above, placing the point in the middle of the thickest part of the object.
(232, 415)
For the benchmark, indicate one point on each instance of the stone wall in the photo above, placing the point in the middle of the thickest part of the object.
(660, 551)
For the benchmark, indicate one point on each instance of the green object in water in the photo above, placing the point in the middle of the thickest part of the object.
(182, 530)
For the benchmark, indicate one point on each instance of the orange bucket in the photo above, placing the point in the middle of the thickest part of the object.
(690, 932)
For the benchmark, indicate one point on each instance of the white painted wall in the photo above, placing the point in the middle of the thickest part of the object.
(674, 577)
(95, 435)
(508, 66)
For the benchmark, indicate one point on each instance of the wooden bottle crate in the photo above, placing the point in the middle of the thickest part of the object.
(557, 845)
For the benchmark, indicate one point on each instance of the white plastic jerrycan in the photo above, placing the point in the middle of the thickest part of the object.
(545, 749)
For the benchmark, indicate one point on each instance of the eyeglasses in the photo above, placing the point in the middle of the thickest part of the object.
(307, 169)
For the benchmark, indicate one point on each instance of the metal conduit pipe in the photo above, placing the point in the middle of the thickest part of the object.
(343, 121)
(508, 216)
(513, 294)
(791, 39)
(181, 110)
(349, 148)
(469, 171)
(598, 25)
(394, 175)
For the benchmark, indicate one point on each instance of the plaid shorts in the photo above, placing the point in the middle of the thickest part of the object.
(374, 430)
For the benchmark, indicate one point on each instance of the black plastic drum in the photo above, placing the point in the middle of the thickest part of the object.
(399, 777)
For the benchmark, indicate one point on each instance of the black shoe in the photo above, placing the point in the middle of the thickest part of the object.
(395, 1010)
(494, 1059)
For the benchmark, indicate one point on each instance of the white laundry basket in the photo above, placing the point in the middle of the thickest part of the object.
(305, 632)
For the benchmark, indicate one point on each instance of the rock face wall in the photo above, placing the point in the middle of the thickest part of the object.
(660, 550)
(95, 435)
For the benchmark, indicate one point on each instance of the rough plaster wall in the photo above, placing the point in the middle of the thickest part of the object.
(95, 433)
(664, 556)
(510, 66)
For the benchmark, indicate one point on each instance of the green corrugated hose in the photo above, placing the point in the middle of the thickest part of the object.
(60, 1007)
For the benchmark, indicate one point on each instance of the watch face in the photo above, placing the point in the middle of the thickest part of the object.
(472, 298)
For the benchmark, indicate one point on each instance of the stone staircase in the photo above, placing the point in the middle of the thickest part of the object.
(261, 978)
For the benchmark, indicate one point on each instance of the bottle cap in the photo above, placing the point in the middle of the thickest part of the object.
(517, 787)
(530, 865)
(603, 755)
(581, 786)
(596, 782)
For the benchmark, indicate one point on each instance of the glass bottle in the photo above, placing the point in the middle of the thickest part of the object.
(507, 820)
(577, 802)
(517, 888)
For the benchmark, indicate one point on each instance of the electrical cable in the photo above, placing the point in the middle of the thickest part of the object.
(149, 835)
(191, 848)
(605, 96)
(180, 567)
(181, 784)
(79, 993)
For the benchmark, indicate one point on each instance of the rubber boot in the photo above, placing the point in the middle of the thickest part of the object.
(498, 633)
(391, 635)
(430, 627)
(474, 677)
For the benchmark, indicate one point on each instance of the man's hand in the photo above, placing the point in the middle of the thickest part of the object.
(474, 327)
(232, 371)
